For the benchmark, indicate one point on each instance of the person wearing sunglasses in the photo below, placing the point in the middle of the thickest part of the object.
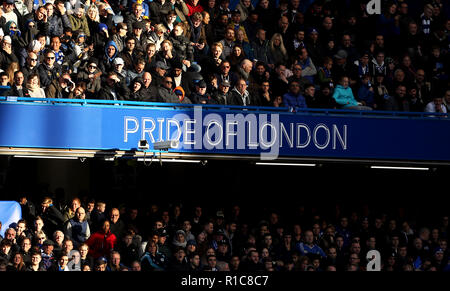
(165, 91)
(90, 75)
(49, 70)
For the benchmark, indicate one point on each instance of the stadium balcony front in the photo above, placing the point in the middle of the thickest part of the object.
(74, 128)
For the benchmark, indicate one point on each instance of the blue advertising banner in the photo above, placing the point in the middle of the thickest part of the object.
(225, 130)
(10, 213)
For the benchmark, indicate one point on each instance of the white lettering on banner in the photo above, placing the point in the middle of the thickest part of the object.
(342, 140)
(188, 131)
(148, 130)
(289, 138)
(160, 124)
(229, 133)
(213, 123)
(217, 132)
(248, 132)
(301, 145)
(172, 136)
(126, 129)
(327, 134)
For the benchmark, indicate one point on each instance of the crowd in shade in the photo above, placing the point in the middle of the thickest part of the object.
(281, 53)
(89, 235)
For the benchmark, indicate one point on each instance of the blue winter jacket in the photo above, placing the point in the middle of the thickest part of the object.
(294, 101)
(364, 94)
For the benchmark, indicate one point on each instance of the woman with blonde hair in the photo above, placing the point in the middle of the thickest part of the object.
(93, 17)
(12, 68)
(158, 35)
(277, 49)
(34, 86)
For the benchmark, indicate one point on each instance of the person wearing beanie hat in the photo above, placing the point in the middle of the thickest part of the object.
(136, 89)
(180, 77)
(179, 91)
(7, 55)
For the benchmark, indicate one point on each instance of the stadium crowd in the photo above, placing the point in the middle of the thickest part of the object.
(298, 54)
(89, 235)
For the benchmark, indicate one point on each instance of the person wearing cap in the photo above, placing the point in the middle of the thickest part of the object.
(100, 264)
(342, 67)
(221, 96)
(7, 55)
(9, 12)
(163, 245)
(90, 75)
(47, 254)
(200, 96)
(119, 68)
(140, 37)
(159, 72)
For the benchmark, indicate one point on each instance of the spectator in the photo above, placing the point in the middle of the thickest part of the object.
(294, 99)
(308, 247)
(101, 242)
(344, 96)
(153, 260)
(437, 105)
(61, 88)
(77, 228)
(114, 88)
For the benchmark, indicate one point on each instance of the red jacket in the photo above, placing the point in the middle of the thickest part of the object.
(101, 244)
(193, 9)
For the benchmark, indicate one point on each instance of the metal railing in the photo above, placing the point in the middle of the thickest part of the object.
(230, 108)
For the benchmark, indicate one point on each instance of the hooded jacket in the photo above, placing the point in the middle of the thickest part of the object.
(106, 62)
